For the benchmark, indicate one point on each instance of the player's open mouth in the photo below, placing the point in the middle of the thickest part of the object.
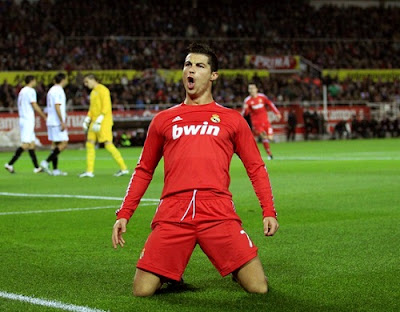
(190, 83)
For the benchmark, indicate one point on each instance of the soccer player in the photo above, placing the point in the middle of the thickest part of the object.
(27, 106)
(98, 124)
(56, 127)
(254, 105)
(197, 139)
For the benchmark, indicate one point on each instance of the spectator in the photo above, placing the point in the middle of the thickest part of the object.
(291, 126)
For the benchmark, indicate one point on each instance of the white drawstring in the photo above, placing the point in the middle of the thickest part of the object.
(192, 201)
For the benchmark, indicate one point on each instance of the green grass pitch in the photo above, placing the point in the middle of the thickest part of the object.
(337, 248)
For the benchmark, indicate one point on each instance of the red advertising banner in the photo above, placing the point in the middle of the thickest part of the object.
(74, 123)
(9, 121)
(334, 115)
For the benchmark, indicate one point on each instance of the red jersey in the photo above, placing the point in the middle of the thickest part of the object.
(197, 143)
(256, 107)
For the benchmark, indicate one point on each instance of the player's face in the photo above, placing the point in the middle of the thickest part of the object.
(89, 83)
(253, 90)
(197, 75)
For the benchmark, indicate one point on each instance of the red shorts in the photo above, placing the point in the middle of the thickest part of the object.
(260, 127)
(169, 246)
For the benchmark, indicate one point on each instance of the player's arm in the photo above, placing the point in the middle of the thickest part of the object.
(59, 115)
(140, 180)
(37, 109)
(272, 106)
(246, 148)
(105, 102)
(245, 108)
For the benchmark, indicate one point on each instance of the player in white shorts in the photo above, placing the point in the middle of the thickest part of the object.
(56, 123)
(27, 105)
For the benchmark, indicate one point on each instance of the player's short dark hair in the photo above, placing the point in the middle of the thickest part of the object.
(29, 78)
(205, 49)
(91, 76)
(59, 77)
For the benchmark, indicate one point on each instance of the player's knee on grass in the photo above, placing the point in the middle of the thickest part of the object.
(253, 285)
(259, 287)
(251, 277)
(143, 290)
(145, 284)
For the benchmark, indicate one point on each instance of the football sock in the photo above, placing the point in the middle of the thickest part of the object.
(53, 155)
(116, 155)
(266, 146)
(90, 155)
(55, 162)
(32, 154)
(17, 154)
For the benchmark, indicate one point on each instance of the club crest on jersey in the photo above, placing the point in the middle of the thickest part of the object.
(215, 118)
(204, 129)
(258, 106)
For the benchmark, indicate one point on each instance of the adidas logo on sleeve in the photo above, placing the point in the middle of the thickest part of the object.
(177, 118)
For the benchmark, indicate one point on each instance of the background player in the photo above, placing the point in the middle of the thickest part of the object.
(98, 123)
(197, 140)
(27, 105)
(56, 123)
(255, 105)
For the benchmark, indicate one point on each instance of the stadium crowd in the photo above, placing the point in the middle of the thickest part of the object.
(109, 34)
(78, 35)
(151, 88)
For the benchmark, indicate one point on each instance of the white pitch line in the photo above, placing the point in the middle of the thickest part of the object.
(72, 196)
(62, 210)
(48, 303)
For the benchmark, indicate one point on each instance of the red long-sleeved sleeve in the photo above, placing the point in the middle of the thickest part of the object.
(270, 104)
(247, 149)
(143, 174)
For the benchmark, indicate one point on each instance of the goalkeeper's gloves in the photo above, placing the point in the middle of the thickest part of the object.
(86, 123)
(97, 124)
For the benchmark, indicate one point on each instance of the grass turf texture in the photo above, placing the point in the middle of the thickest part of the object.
(337, 248)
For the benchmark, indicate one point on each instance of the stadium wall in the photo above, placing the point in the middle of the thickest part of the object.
(134, 119)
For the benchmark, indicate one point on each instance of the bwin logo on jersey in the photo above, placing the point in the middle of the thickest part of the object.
(203, 129)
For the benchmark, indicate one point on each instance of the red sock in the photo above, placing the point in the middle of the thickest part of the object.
(266, 147)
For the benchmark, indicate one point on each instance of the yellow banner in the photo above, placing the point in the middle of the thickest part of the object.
(249, 73)
(114, 76)
(15, 77)
(359, 74)
(105, 76)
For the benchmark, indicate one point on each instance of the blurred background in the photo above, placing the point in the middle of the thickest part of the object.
(334, 65)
